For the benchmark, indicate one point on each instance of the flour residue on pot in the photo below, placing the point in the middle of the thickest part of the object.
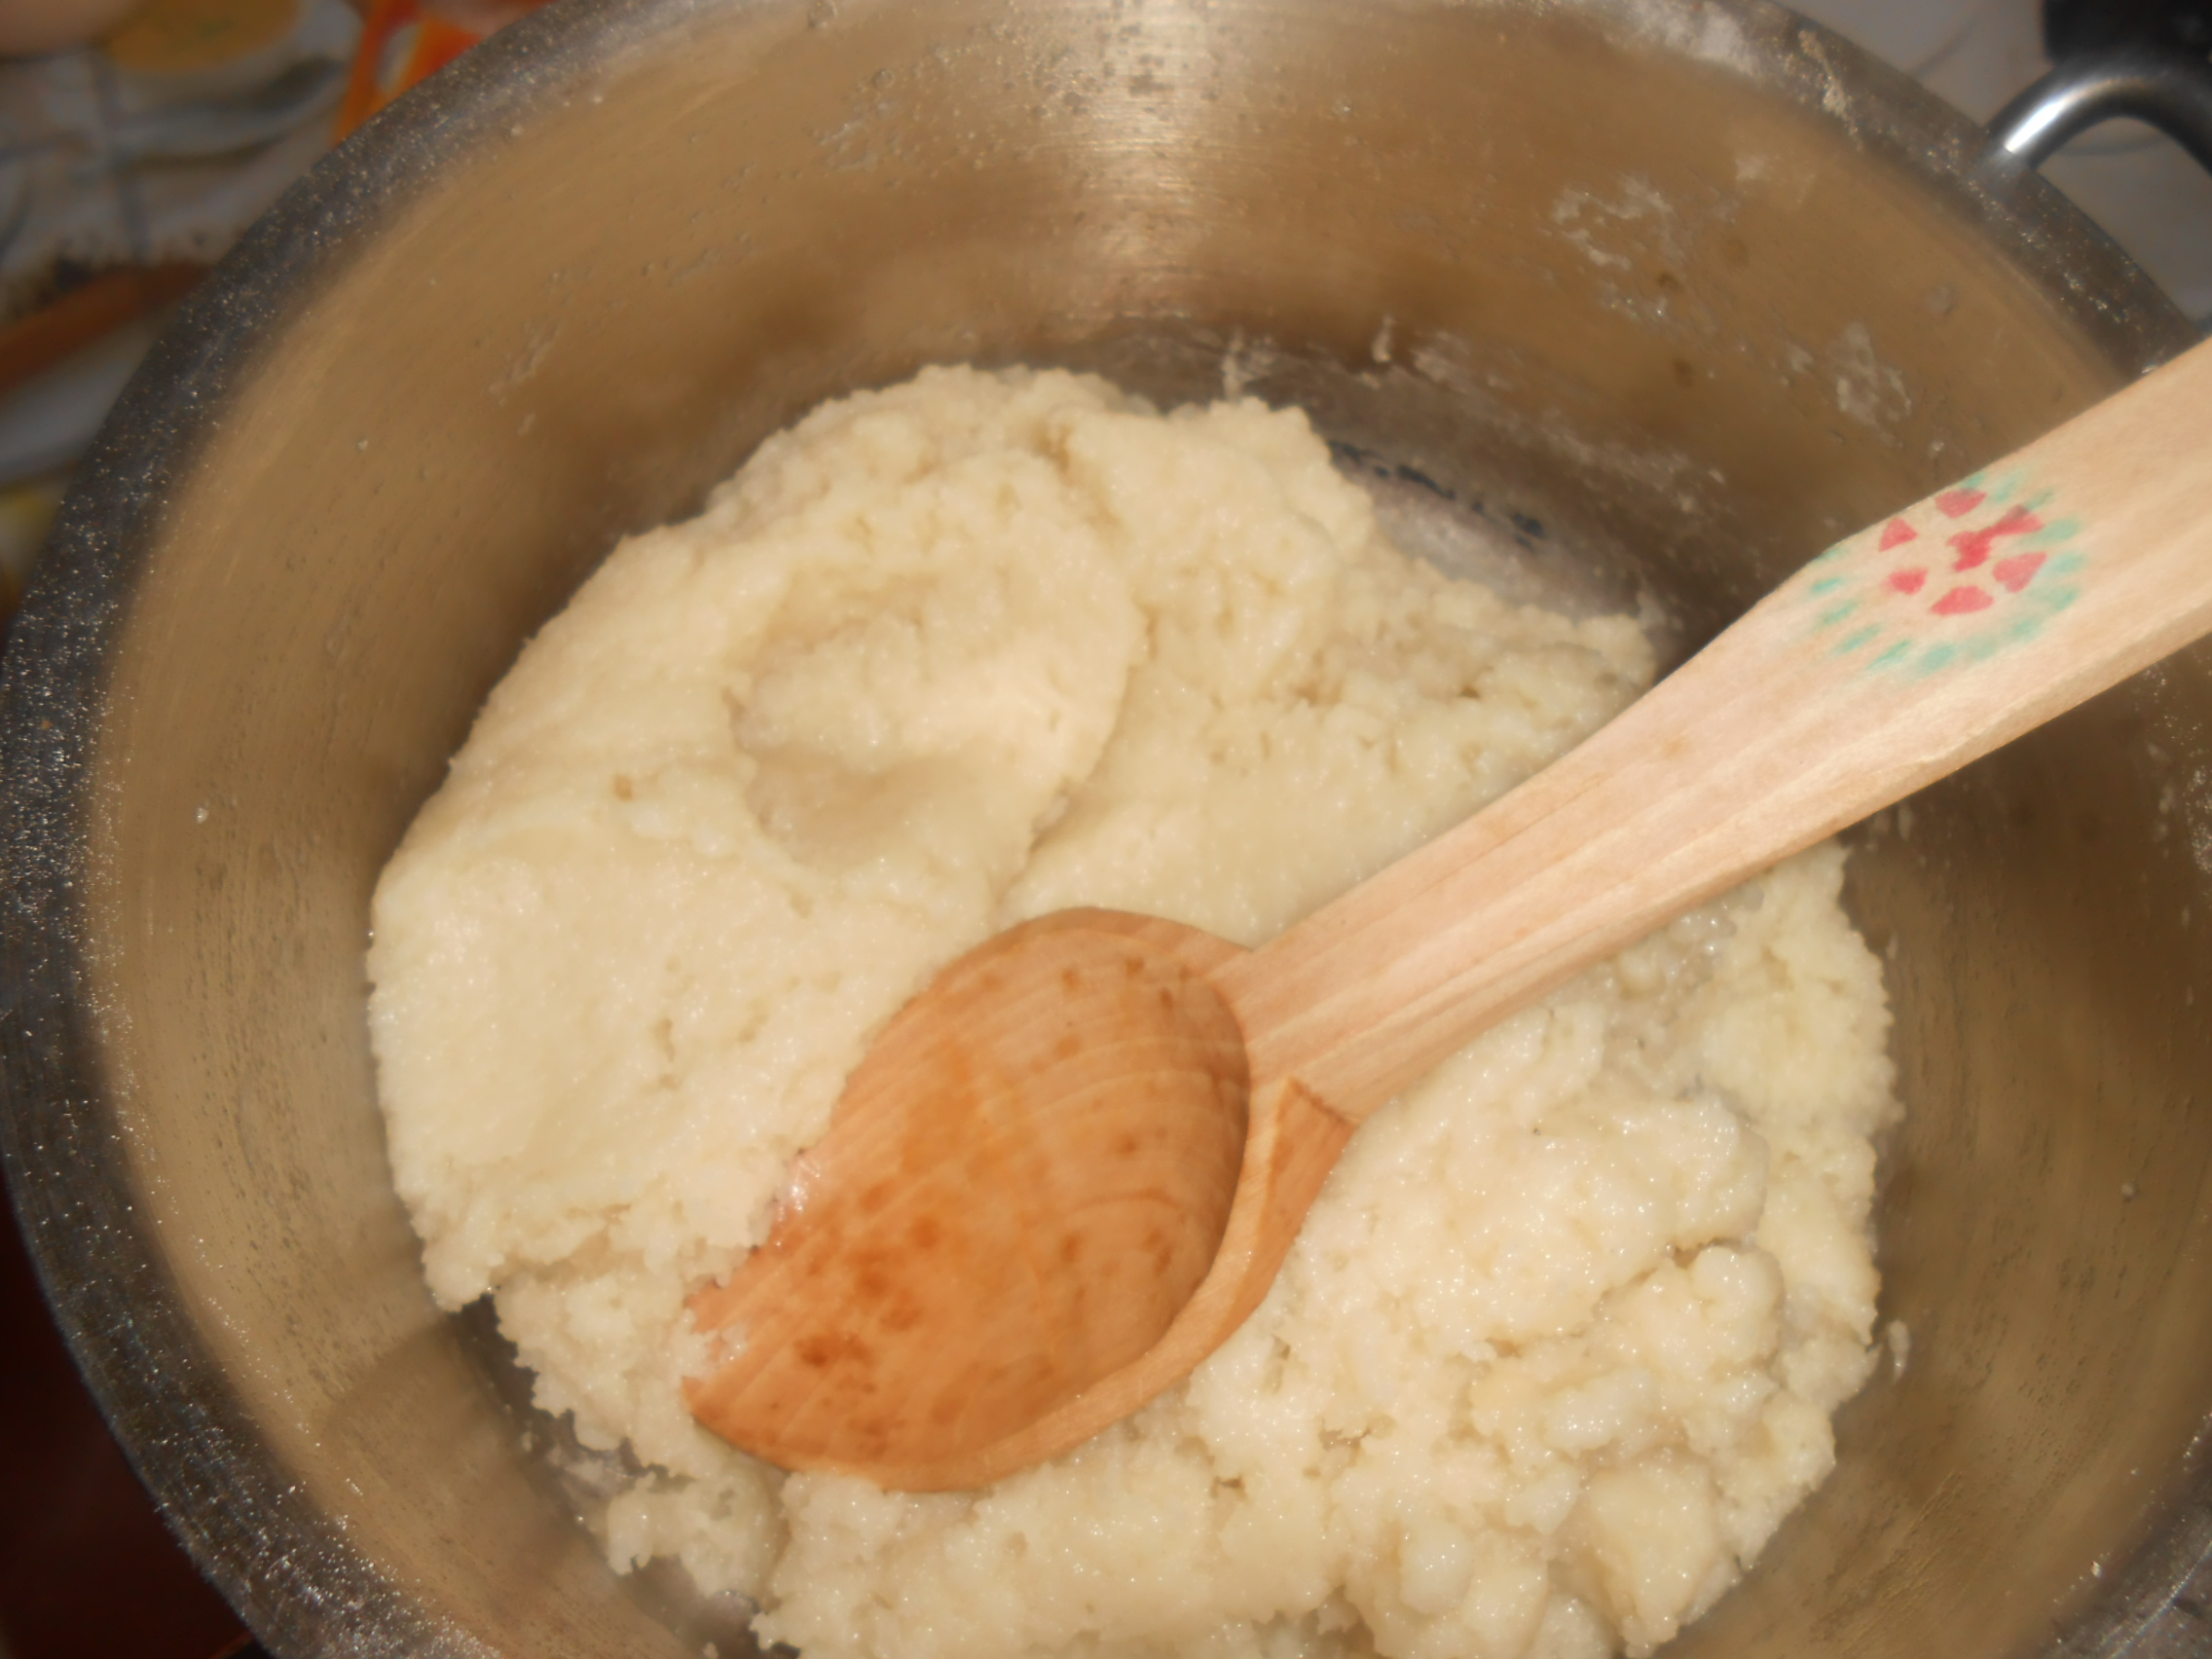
(1642, 244)
(1556, 1349)
(1868, 390)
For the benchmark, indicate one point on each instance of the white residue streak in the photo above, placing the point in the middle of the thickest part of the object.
(1708, 33)
(1584, 217)
(1868, 390)
(1246, 361)
(526, 365)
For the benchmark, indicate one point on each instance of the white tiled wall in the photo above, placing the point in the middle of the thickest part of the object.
(2139, 185)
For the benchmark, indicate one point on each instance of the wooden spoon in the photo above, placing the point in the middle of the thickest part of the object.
(1071, 1168)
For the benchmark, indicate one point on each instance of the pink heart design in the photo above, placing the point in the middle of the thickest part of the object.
(1957, 503)
(1897, 532)
(1963, 602)
(1973, 545)
(1908, 582)
(2015, 572)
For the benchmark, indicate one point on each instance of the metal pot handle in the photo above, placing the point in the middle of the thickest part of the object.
(2170, 89)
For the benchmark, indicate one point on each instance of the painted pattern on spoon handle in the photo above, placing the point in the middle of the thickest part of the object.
(1893, 658)
(1971, 571)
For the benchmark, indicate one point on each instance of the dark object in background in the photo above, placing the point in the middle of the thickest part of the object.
(2139, 60)
(87, 1568)
(2071, 28)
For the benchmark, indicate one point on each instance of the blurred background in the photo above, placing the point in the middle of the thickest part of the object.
(139, 137)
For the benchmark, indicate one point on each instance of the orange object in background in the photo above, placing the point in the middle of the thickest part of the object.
(406, 40)
(61, 327)
(173, 36)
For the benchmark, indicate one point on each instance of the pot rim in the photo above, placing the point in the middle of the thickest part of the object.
(282, 1563)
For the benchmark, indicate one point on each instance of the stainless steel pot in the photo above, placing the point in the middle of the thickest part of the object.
(1691, 281)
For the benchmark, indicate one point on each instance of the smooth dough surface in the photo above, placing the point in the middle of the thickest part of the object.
(1558, 1346)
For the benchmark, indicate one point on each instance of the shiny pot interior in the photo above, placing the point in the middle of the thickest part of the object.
(1693, 285)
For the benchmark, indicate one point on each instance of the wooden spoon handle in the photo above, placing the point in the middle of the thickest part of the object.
(1891, 659)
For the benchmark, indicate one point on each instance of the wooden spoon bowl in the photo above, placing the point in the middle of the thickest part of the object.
(1081, 1076)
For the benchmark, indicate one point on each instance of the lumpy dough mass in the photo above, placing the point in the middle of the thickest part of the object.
(1558, 1347)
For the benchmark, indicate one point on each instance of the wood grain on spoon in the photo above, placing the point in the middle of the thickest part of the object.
(1072, 1167)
